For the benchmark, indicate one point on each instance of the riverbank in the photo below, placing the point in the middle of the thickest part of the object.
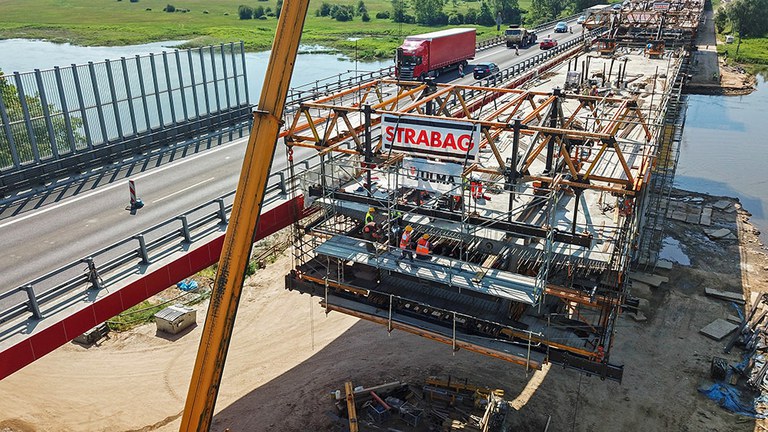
(710, 74)
(286, 356)
(89, 23)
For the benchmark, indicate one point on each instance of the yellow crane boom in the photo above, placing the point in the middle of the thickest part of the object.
(228, 285)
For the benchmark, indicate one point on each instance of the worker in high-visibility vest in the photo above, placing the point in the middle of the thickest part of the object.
(423, 248)
(405, 243)
(369, 215)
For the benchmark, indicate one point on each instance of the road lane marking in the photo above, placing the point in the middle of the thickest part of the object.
(122, 183)
(183, 190)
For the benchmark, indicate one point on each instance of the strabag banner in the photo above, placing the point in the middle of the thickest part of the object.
(437, 138)
(430, 175)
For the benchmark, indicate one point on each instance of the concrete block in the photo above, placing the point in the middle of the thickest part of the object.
(718, 329)
(706, 216)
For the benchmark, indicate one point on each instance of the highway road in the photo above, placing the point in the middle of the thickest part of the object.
(42, 239)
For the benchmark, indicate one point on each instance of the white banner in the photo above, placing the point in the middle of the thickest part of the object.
(430, 175)
(437, 138)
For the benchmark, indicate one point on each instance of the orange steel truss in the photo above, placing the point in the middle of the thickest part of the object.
(594, 137)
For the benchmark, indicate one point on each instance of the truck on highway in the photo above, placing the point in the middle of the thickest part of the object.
(429, 54)
(516, 35)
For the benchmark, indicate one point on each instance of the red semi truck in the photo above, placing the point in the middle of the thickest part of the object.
(429, 54)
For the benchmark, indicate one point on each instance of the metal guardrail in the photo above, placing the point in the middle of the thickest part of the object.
(161, 240)
(121, 258)
(507, 74)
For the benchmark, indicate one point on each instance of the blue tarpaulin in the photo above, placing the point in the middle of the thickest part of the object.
(730, 398)
(187, 285)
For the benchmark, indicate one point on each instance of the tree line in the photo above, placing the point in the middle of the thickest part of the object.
(747, 18)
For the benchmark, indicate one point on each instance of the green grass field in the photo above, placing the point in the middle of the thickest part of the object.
(102, 22)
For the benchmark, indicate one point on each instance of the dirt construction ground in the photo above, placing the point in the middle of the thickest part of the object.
(287, 356)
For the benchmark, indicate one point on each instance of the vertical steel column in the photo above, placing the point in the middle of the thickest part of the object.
(194, 86)
(99, 108)
(168, 87)
(234, 73)
(578, 192)
(9, 134)
(226, 80)
(368, 150)
(205, 82)
(113, 93)
(143, 253)
(215, 80)
(65, 110)
(27, 119)
(86, 125)
(512, 170)
(157, 90)
(46, 113)
(182, 90)
(552, 123)
(245, 80)
(33, 306)
(143, 93)
(128, 94)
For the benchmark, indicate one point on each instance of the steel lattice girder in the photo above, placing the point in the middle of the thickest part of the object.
(335, 119)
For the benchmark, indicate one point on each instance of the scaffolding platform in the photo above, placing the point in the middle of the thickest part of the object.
(442, 270)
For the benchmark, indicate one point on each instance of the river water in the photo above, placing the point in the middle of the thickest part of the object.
(21, 55)
(725, 150)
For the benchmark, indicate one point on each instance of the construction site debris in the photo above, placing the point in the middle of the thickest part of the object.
(722, 204)
(718, 329)
(720, 234)
(436, 404)
(724, 295)
(649, 279)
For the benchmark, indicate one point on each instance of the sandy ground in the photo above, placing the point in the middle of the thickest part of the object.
(287, 355)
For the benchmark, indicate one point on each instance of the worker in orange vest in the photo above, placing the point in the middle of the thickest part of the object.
(405, 243)
(423, 248)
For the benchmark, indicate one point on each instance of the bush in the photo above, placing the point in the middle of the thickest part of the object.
(453, 19)
(471, 16)
(366, 17)
(134, 1)
(245, 12)
(258, 12)
(382, 15)
(169, 8)
(343, 15)
(361, 9)
(325, 9)
(278, 8)
(205, 12)
(409, 19)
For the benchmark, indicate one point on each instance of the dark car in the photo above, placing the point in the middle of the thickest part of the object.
(548, 43)
(561, 27)
(483, 70)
